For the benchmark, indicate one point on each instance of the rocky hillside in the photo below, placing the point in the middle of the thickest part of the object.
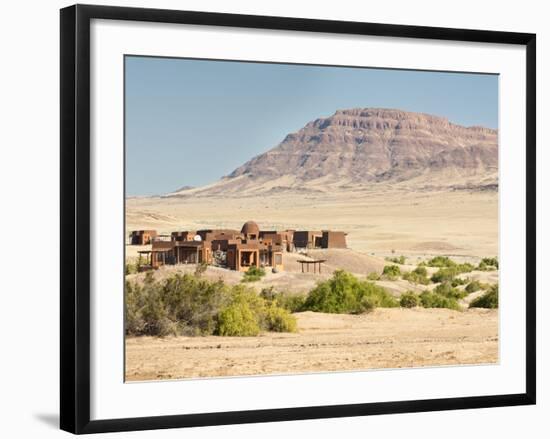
(365, 147)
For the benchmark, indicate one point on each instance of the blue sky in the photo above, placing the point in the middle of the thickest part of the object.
(189, 122)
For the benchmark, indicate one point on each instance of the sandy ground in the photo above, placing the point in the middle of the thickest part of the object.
(388, 221)
(385, 338)
(414, 223)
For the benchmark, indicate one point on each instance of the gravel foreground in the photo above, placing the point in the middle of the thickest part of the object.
(384, 338)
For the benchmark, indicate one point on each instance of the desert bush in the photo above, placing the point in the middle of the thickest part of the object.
(487, 300)
(380, 297)
(409, 300)
(418, 276)
(466, 267)
(444, 274)
(483, 267)
(238, 319)
(190, 305)
(493, 262)
(391, 272)
(201, 269)
(448, 273)
(269, 293)
(373, 276)
(440, 262)
(248, 314)
(131, 268)
(488, 264)
(457, 281)
(446, 289)
(398, 260)
(433, 300)
(132, 311)
(336, 295)
(150, 317)
(194, 302)
(474, 286)
(293, 302)
(279, 320)
(344, 293)
(253, 274)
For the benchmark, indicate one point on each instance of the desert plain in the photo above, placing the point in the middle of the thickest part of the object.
(383, 222)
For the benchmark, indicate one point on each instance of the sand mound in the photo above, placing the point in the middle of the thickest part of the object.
(434, 246)
(349, 260)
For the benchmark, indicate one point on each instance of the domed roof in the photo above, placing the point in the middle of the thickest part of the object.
(250, 228)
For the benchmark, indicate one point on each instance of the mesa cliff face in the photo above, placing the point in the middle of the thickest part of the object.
(370, 146)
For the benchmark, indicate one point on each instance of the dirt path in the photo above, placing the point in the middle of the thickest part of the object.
(385, 338)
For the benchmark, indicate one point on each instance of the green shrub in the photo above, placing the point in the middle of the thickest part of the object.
(400, 260)
(279, 320)
(433, 300)
(457, 281)
(420, 271)
(366, 304)
(269, 293)
(418, 276)
(488, 264)
(134, 302)
(444, 274)
(190, 305)
(201, 269)
(440, 262)
(373, 276)
(448, 273)
(194, 302)
(344, 293)
(487, 300)
(290, 302)
(409, 300)
(238, 320)
(446, 289)
(153, 316)
(466, 267)
(131, 268)
(391, 272)
(379, 297)
(249, 313)
(336, 295)
(253, 274)
(473, 286)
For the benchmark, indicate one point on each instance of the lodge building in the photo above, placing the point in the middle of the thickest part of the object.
(142, 237)
(236, 250)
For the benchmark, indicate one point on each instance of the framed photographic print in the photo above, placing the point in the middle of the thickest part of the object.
(268, 218)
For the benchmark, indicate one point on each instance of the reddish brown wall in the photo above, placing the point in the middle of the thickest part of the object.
(332, 239)
(305, 239)
(142, 237)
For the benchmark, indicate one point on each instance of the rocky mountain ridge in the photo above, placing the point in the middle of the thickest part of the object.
(363, 147)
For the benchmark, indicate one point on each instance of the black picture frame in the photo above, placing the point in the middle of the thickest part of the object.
(75, 217)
